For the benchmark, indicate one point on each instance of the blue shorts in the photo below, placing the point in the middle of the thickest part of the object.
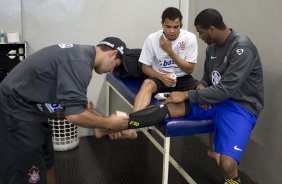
(184, 83)
(232, 126)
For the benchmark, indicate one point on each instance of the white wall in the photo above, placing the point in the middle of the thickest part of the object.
(10, 16)
(45, 22)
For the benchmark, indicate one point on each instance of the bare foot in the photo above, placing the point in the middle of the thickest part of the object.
(125, 134)
(214, 155)
(99, 132)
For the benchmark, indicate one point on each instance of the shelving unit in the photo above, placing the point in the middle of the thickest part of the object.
(11, 54)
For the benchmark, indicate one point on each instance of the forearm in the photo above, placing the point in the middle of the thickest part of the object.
(94, 111)
(149, 71)
(185, 66)
(89, 119)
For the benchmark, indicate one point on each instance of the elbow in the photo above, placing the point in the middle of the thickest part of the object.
(190, 70)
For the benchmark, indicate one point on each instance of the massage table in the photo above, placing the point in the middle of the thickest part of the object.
(127, 90)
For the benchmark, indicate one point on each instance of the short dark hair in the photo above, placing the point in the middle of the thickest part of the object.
(171, 13)
(107, 48)
(209, 17)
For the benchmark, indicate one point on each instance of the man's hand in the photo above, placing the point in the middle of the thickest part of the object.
(177, 97)
(165, 44)
(167, 80)
(118, 122)
(204, 106)
(200, 86)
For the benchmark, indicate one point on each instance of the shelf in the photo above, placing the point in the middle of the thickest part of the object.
(11, 54)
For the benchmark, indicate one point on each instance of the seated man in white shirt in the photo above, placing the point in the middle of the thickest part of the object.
(166, 53)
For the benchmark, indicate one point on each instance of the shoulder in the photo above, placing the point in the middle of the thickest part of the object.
(241, 40)
(187, 37)
(155, 36)
(152, 40)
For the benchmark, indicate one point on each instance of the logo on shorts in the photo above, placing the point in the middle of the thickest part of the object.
(237, 149)
(33, 174)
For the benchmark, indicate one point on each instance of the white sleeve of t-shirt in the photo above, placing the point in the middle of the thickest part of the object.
(192, 50)
(147, 55)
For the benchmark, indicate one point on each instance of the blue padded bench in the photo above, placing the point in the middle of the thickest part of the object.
(127, 89)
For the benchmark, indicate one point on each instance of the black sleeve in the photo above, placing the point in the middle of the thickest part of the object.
(73, 78)
(206, 79)
(239, 68)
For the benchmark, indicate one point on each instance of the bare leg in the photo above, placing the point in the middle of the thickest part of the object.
(176, 109)
(51, 175)
(142, 100)
(99, 132)
(211, 152)
(144, 95)
(228, 167)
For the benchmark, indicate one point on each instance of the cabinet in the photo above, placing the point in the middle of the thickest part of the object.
(11, 54)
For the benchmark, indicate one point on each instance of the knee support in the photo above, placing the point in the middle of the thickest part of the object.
(148, 117)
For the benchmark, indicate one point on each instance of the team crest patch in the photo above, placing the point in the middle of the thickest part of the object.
(182, 45)
(65, 45)
(33, 174)
(215, 77)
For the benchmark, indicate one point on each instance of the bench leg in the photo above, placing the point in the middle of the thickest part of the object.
(166, 160)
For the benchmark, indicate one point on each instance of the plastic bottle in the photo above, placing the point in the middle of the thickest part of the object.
(2, 36)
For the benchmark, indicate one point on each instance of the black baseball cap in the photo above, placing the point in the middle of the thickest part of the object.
(117, 44)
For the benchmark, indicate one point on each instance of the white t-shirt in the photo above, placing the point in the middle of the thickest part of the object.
(185, 46)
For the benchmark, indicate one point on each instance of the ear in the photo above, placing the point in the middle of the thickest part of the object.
(181, 25)
(212, 28)
(114, 52)
(163, 23)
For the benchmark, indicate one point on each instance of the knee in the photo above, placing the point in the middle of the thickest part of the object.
(176, 110)
(148, 86)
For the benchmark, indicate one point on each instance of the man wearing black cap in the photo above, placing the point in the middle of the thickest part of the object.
(53, 78)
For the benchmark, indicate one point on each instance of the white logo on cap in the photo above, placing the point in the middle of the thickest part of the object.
(107, 43)
(65, 45)
(120, 49)
(240, 51)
